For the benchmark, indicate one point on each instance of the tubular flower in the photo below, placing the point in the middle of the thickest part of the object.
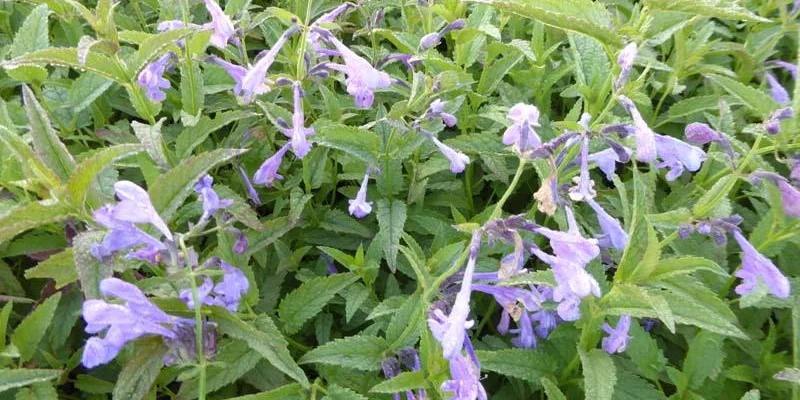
(617, 339)
(757, 268)
(360, 207)
(645, 137)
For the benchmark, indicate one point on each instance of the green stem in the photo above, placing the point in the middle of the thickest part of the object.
(198, 327)
(498, 208)
(796, 347)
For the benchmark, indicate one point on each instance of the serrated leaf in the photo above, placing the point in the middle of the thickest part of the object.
(85, 90)
(68, 57)
(308, 300)
(152, 142)
(79, 184)
(551, 389)
(354, 298)
(154, 47)
(632, 387)
(580, 16)
(723, 9)
(59, 267)
(141, 371)
(718, 193)
(14, 378)
(337, 221)
(4, 314)
(236, 358)
(402, 382)
(359, 143)
(406, 324)
(90, 270)
(29, 216)
(33, 34)
(529, 365)
(694, 304)
(391, 220)
(37, 391)
(31, 330)
(169, 190)
(240, 210)
(755, 99)
(599, 374)
(193, 136)
(46, 142)
(363, 353)
(703, 360)
(497, 68)
(192, 94)
(639, 302)
(753, 394)
(8, 281)
(684, 265)
(32, 164)
(336, 392)
(264, 338)
(291, 391)
(271, 231)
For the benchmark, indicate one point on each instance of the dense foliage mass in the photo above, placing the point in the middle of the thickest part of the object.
(399, 199)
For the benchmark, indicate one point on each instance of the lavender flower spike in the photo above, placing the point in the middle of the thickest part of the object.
(778, 92)
(135, 206)
(464, 380)
(267, 173)
(625, 61)
(152, 78)
(571, 245)
(360, 207)
(677, 155)
(607, 160)
(645, 137)
(221, 24)
(613, 233)
(450, 330)
(617, 340)
(299, 133)
(458, 160)
(755, 268)
(362, 78)
(252, 82)
(520, 134)
(790, 197)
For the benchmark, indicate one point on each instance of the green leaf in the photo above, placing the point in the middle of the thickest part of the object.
(264, 338)
(497, 67)
(79, 184)
(401, 383)
(753, 394)
(405, 326)
(140, 372)
(236, 359)
(336, 392)
(639, 302)
(85, 90)
(68, 57)
(33, 34)
(31, 330)
(586, 17)
(37, 391)
(684, 265)
(59, 267)
(45, 140)
(391, 220)
(703, 360)
(650, 257)
(643, 350)
(359, 143)
(170, 190)
(90, 270)
(363, 353)
(154, 47)
(755, 99)
(709, 201)
(639, 235)
(291, 391)
(271, 231)
(4, 314)
(193, 136)
(192, 93)
(14, 378)
(529, 365)
(240, 209)
(722, 9)
(8, 281)
(599, 374)
(694, 304)
(308, 300)
(632, 387)
(153, 143)
(33, 166)
(29, 216)
(551, 389)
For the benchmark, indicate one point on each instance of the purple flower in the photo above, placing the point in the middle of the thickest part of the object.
(360, 207)
(221, 24)
(458, 160)
(123, 235)
(409, 60)
(584, 190)
(613, 234)
(362, 79)
(327, 18)
(122, 323)
(464, 383)
(571, 245)
(520, 134)
(773, 122)
(526, 338)
(625, 61)
(430, 40)
(152, 78)
(645, 138)
(607, 159)
(226, 294)
(755, 268)
(617, 339)
(391, 368)
(251, 191)
(253, 81)
(507, 297)
(791, 67)
(240, 246)
(183, 347)
(777, 90)
(203, 292)
(211, 200)
(451, 330)
(547, 320)
(267, 173)
(790, 197)
(699, 133)
(436, 109)
(298, 132)
(677, 155)
(135, 206)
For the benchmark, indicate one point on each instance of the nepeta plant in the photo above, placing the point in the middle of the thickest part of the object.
(491, 199)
